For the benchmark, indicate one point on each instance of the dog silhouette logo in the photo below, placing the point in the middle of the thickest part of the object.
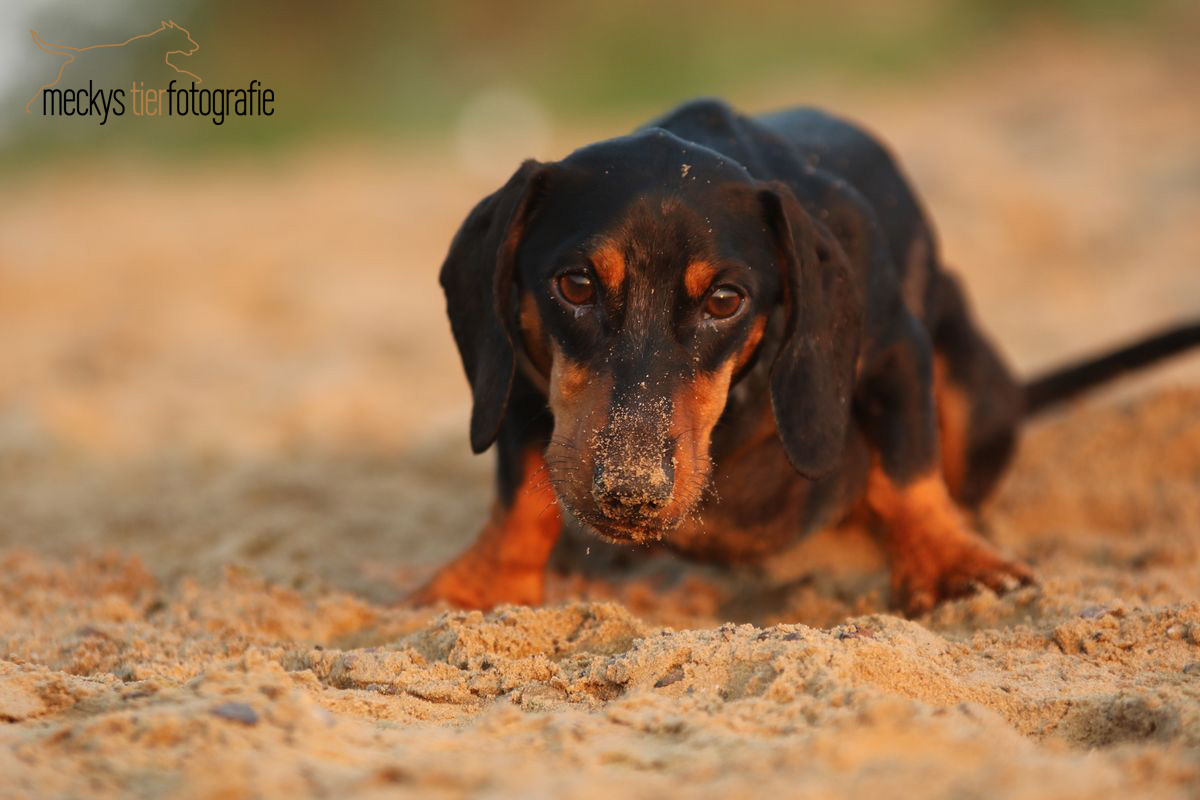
(170, 35)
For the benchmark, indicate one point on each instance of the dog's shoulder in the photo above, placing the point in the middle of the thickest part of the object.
(830, 145)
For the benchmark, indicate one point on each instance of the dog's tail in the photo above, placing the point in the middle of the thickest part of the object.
(1063, 383)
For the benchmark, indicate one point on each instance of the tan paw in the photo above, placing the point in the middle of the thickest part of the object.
(471, 585)
(936, 570)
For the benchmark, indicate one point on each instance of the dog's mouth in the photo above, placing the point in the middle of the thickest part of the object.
(625, 531)
(629, 527)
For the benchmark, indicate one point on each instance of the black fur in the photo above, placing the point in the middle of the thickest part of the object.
(814, 219)
(812, 376)
(1063, 383)
(477, 278)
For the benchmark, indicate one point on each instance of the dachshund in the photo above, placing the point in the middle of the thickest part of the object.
(722, 332)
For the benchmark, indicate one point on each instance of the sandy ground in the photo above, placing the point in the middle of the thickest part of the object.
(232, 436)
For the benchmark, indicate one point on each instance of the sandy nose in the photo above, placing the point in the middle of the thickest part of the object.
(634, 487)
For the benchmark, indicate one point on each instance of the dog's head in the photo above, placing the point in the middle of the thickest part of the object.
(634, 282)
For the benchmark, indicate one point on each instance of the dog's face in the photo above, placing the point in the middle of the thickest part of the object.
(643, 291)
(634, 282)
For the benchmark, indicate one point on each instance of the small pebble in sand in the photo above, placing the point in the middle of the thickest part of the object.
(236, 712)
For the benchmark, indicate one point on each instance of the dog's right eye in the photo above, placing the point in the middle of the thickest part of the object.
(577, 288)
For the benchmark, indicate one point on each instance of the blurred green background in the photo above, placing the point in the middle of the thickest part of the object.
(409, 70)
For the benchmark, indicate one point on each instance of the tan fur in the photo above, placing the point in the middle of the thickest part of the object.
(696, 408)
(953, 412)
(934, 554)
(752, 342)
(610, 267)
(570, 386)
(507, 563)
(580, 402)
(533, 334)
(698, 277)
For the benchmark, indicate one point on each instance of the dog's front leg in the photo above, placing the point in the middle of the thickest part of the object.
(934, 554)
(507, 563)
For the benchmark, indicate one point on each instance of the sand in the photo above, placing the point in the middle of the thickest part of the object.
(232, 439)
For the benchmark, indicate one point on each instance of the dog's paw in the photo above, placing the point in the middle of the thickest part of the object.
(950, 567)
(469, 583)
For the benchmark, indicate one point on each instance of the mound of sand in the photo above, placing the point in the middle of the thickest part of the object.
(115, 683)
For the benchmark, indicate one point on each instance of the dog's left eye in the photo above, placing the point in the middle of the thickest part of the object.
(576, 288)
(723, 302)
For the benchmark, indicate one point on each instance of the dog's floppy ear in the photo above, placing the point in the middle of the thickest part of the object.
(478, 280)
(812, 376)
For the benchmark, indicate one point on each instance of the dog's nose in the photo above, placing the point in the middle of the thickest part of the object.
(634, 489)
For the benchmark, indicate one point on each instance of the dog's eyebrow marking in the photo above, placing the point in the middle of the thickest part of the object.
(697, 277)
(610, 266)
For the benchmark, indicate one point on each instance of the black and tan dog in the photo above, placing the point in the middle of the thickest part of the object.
(719, 333)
